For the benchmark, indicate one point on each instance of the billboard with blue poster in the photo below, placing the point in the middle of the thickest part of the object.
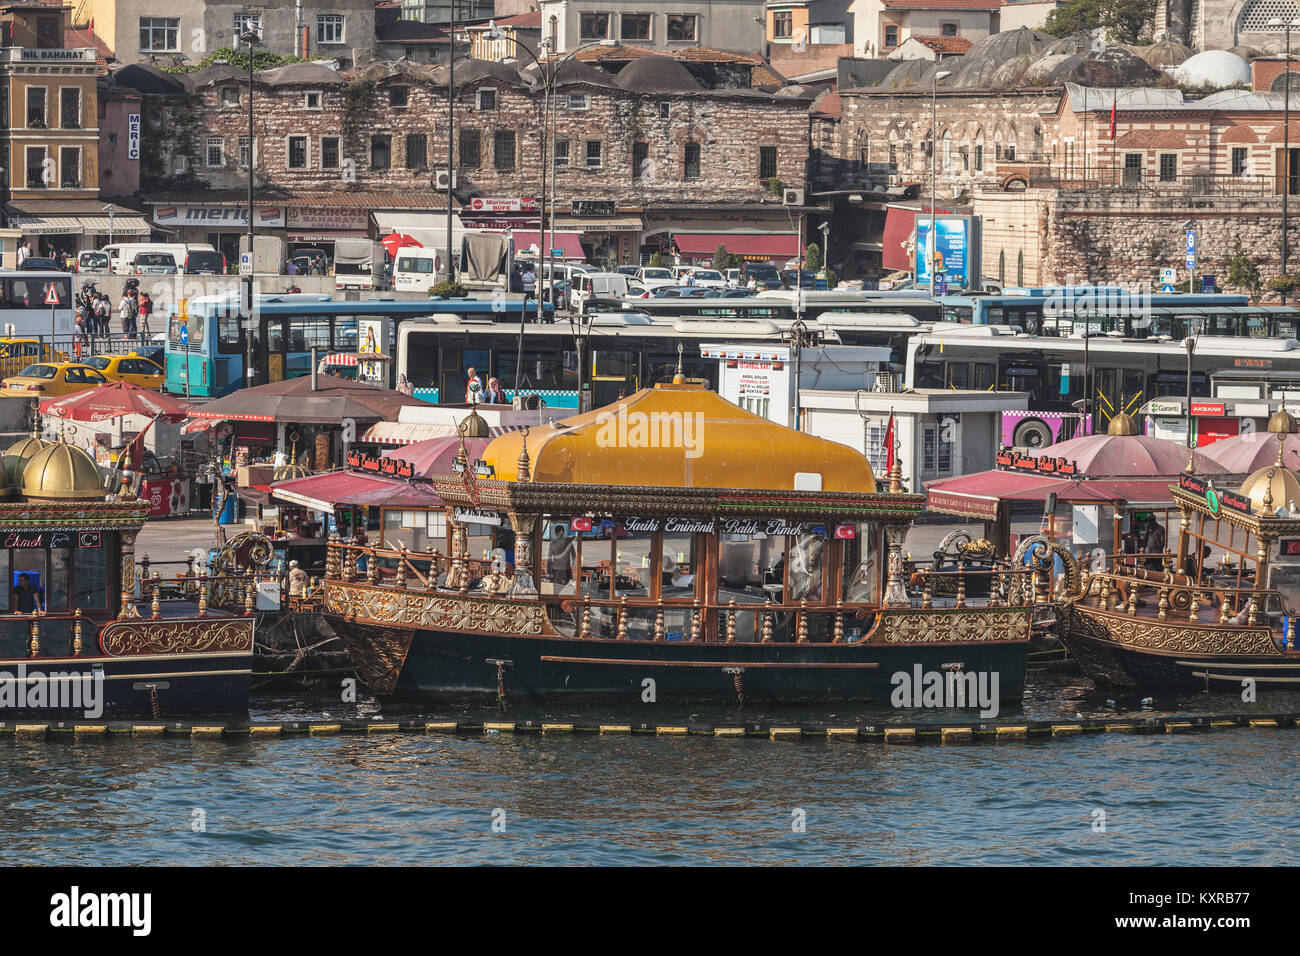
(958, 260)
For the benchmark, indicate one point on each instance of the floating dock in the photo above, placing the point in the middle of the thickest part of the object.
(893, 734)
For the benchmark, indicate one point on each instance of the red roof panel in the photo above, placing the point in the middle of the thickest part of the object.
(775, 246)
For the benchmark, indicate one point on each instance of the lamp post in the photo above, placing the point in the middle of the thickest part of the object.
(1286, 132)
(934, 146)
(451, 129)
(251, 38)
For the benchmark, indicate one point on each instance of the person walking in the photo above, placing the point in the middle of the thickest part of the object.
(529, 280)
(146, 310)
(473, 388)
(24, 252)
(103, 312)
(496, 395)
(126, 309)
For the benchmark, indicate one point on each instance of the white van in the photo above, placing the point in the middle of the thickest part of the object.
(604, 285)
(415, 269)
(121, 255)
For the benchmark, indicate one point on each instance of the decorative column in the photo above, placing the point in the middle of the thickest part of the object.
(895, 591)
(522, 583)
(128, 608)
(455, 571)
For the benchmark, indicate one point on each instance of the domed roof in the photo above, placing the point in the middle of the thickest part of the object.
(1040, 72)
(634, 442)
(1246, 52)
(473, 425)
(1243, 454)
(62, 471)
(1282, 422)
(907, 73)
(1129, 456)
(982, 61)
(291, 470)
(1122, 424)
(1165, 53)
(18, 454)
(1070, 44)
(1116, 66)
(1217, 68)
(1010, 73)
(657, 74)
(1271, 488)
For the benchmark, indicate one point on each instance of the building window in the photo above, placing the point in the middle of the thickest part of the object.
(469, 148)
(979, 157)
(503, 150)
(948, 29)
(214, 153)
(665, 110)
(766, 162)
(691, 161)
(35, 167)
(936, 454)
(398, 96)
(1168, 167)
(782, 24)
(243, 152)
(1239, 157)
(297, 152)
(329, 152)
(36, 107)
(577, 101)
(160, 34)
(487, 100)
(247, 22)
(70, 107)
(640, 154)
(634, 26)
(381, 151)
(229, 97)
(312, 100)
(682, 26)
(891, 35)
(1132, 169)
(593, 153)
(417, 151)
(70, 167)
(329, 28)
(561, 152)
(593, 26)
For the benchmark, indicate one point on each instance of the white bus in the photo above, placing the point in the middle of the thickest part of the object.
(23, 307)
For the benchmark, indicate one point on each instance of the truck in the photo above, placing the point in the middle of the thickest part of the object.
(268, 255)
(358, 264)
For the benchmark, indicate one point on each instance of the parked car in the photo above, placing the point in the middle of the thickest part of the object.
(133, 368)
(46, 380)
(42, 264)
(154, 264)
(93, 263)
(654, 276)
(202, 263)
(627, 270)
(597, 285)
(711, 278)
(18, 353)
(765, 276)
(741, 293)
(799, 278)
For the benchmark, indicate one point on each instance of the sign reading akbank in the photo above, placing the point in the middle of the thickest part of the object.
(266, 217)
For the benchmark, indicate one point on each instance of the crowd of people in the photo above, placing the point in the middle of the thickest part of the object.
(476, 394)
(94, 311)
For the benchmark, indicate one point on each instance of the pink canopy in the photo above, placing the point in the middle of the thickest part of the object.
(1246, 454)
(1131, 456)
(434, 455)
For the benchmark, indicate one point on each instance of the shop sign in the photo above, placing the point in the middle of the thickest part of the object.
(771, 527)
(594, 207)
(1042, 464)
(669, 525)
(267, 217)
(316, 217)
(133, 136)
(53, 539)
(394, 467)
(497, 204)
(1165, 408)
(1217, 409)
(475, 516)
(1215, 500)
(1288, 547)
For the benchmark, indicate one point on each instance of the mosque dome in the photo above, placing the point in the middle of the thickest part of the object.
(1216, 68)
(1165, 53)
(62, 471)
(907, 73)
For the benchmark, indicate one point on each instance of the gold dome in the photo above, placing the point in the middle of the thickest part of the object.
(1277, 484)
(474, 425)
(1122, 424)
(18, 455)
(1282, 422)
(61, 470)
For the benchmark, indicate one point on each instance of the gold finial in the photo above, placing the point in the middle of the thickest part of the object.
(77, 645)
(1268, 492)
(523, 466)
(679, 376)
(36, 636)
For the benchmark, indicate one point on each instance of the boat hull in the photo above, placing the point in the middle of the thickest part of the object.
(404, 655)
(1126, 652)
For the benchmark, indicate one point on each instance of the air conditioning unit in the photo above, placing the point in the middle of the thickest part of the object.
(792, 197)
(440, 178)
(527, 402)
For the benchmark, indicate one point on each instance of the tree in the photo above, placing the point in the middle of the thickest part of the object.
(812, 257)
(1243, 272)
(656, 260)
(238, 59)
(1283, 284)
(1123, 20)
(721, 258)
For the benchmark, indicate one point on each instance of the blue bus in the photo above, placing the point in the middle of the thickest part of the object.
(206, 356)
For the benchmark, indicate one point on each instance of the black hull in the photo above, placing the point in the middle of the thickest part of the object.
(145, 685)
(451, 667)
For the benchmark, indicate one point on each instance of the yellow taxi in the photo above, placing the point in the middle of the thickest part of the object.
(44, 379)
(18, 353)
(132, 367)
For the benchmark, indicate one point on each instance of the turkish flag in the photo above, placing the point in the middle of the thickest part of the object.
(580, 524)
(889, 444)
(1114, 99)
(845, 531)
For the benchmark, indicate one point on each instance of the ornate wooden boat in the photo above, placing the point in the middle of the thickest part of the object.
(74, 642)
(1188, 624)
(671, 546)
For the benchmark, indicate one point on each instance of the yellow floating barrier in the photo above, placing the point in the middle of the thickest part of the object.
(1061, 730)
(671, 731)
(557, 728)
(956, 733)
(842, 732)
(502, 728)
(1012, 733)
(325, 728)
(615, 728)
(445, 727)
(900, 735)
(383, 728)
(728, 731)
(785, 733)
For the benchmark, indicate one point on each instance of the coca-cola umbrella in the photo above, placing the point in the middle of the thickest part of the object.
(397, 240)
(114, 400)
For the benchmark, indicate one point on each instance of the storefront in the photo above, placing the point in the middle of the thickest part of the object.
(699, 248)
(219, 224)
(609, 236)
(766, 233)
(71, 226)
(318, 227)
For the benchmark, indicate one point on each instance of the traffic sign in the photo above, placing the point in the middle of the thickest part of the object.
(1191, 241)
(1166, 288)
(185, 333)
(1168, 275)
(52, 294)
(1207, 284)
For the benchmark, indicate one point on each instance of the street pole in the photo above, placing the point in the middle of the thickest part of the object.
(250, 38)
(1191, 444)
(934, 147)
(451, 129)
(1286, 135)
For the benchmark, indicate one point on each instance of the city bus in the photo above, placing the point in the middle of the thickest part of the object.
(205, 357)
(23, 307)
(1051, 370)
(777, 305)
(1043, 311)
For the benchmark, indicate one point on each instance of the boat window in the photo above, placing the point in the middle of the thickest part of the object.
(4, 575)
(56, 591)
(559, 555)
(597, 558)
(745, 568)
(414, 530)
(807, 554)
(90, 585)
(678, 567)
(480, 541)
(861, 567)
(633, 553)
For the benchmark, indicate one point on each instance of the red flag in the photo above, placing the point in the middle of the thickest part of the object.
(889, 444)
(1113, 100)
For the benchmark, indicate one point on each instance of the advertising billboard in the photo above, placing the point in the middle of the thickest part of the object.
(957, 259)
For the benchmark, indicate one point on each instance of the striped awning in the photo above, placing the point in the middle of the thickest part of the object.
(118, 225)
(79, 225)
(406, 433)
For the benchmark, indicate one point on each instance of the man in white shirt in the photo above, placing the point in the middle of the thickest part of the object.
(473, 388)
(24, 252)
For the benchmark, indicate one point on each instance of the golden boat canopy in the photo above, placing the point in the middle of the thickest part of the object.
(1274, 486)
(61, 470)
(684, 436)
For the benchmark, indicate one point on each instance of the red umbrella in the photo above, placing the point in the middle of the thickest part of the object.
(397, 240)
(115, 400)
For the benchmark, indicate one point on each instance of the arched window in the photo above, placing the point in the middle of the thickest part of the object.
(1256, 14)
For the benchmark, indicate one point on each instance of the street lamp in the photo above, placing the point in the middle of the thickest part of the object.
(934, 146)
(251, 38)
(1287, 26)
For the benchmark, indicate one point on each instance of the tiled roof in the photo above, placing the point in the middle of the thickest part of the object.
(763, 75)
(944, 44)
(525, 20)
(617, 52)
(828, 107)
(942, 4)
(77, 38)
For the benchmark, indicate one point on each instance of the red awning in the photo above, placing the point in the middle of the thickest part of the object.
(978, 495)
(567, 241)
(784, 245)
(324, 492)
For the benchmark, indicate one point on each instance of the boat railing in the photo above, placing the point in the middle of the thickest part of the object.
(1001, 585)
(1179, 597)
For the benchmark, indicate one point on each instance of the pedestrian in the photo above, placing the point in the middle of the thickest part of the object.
(103, 312)
(297, 580)
(146, 310)
(291, 269)
(496, 395)
(473, 388)
(129, 323)
(126, 308)
(529, 280)
(24, 252)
